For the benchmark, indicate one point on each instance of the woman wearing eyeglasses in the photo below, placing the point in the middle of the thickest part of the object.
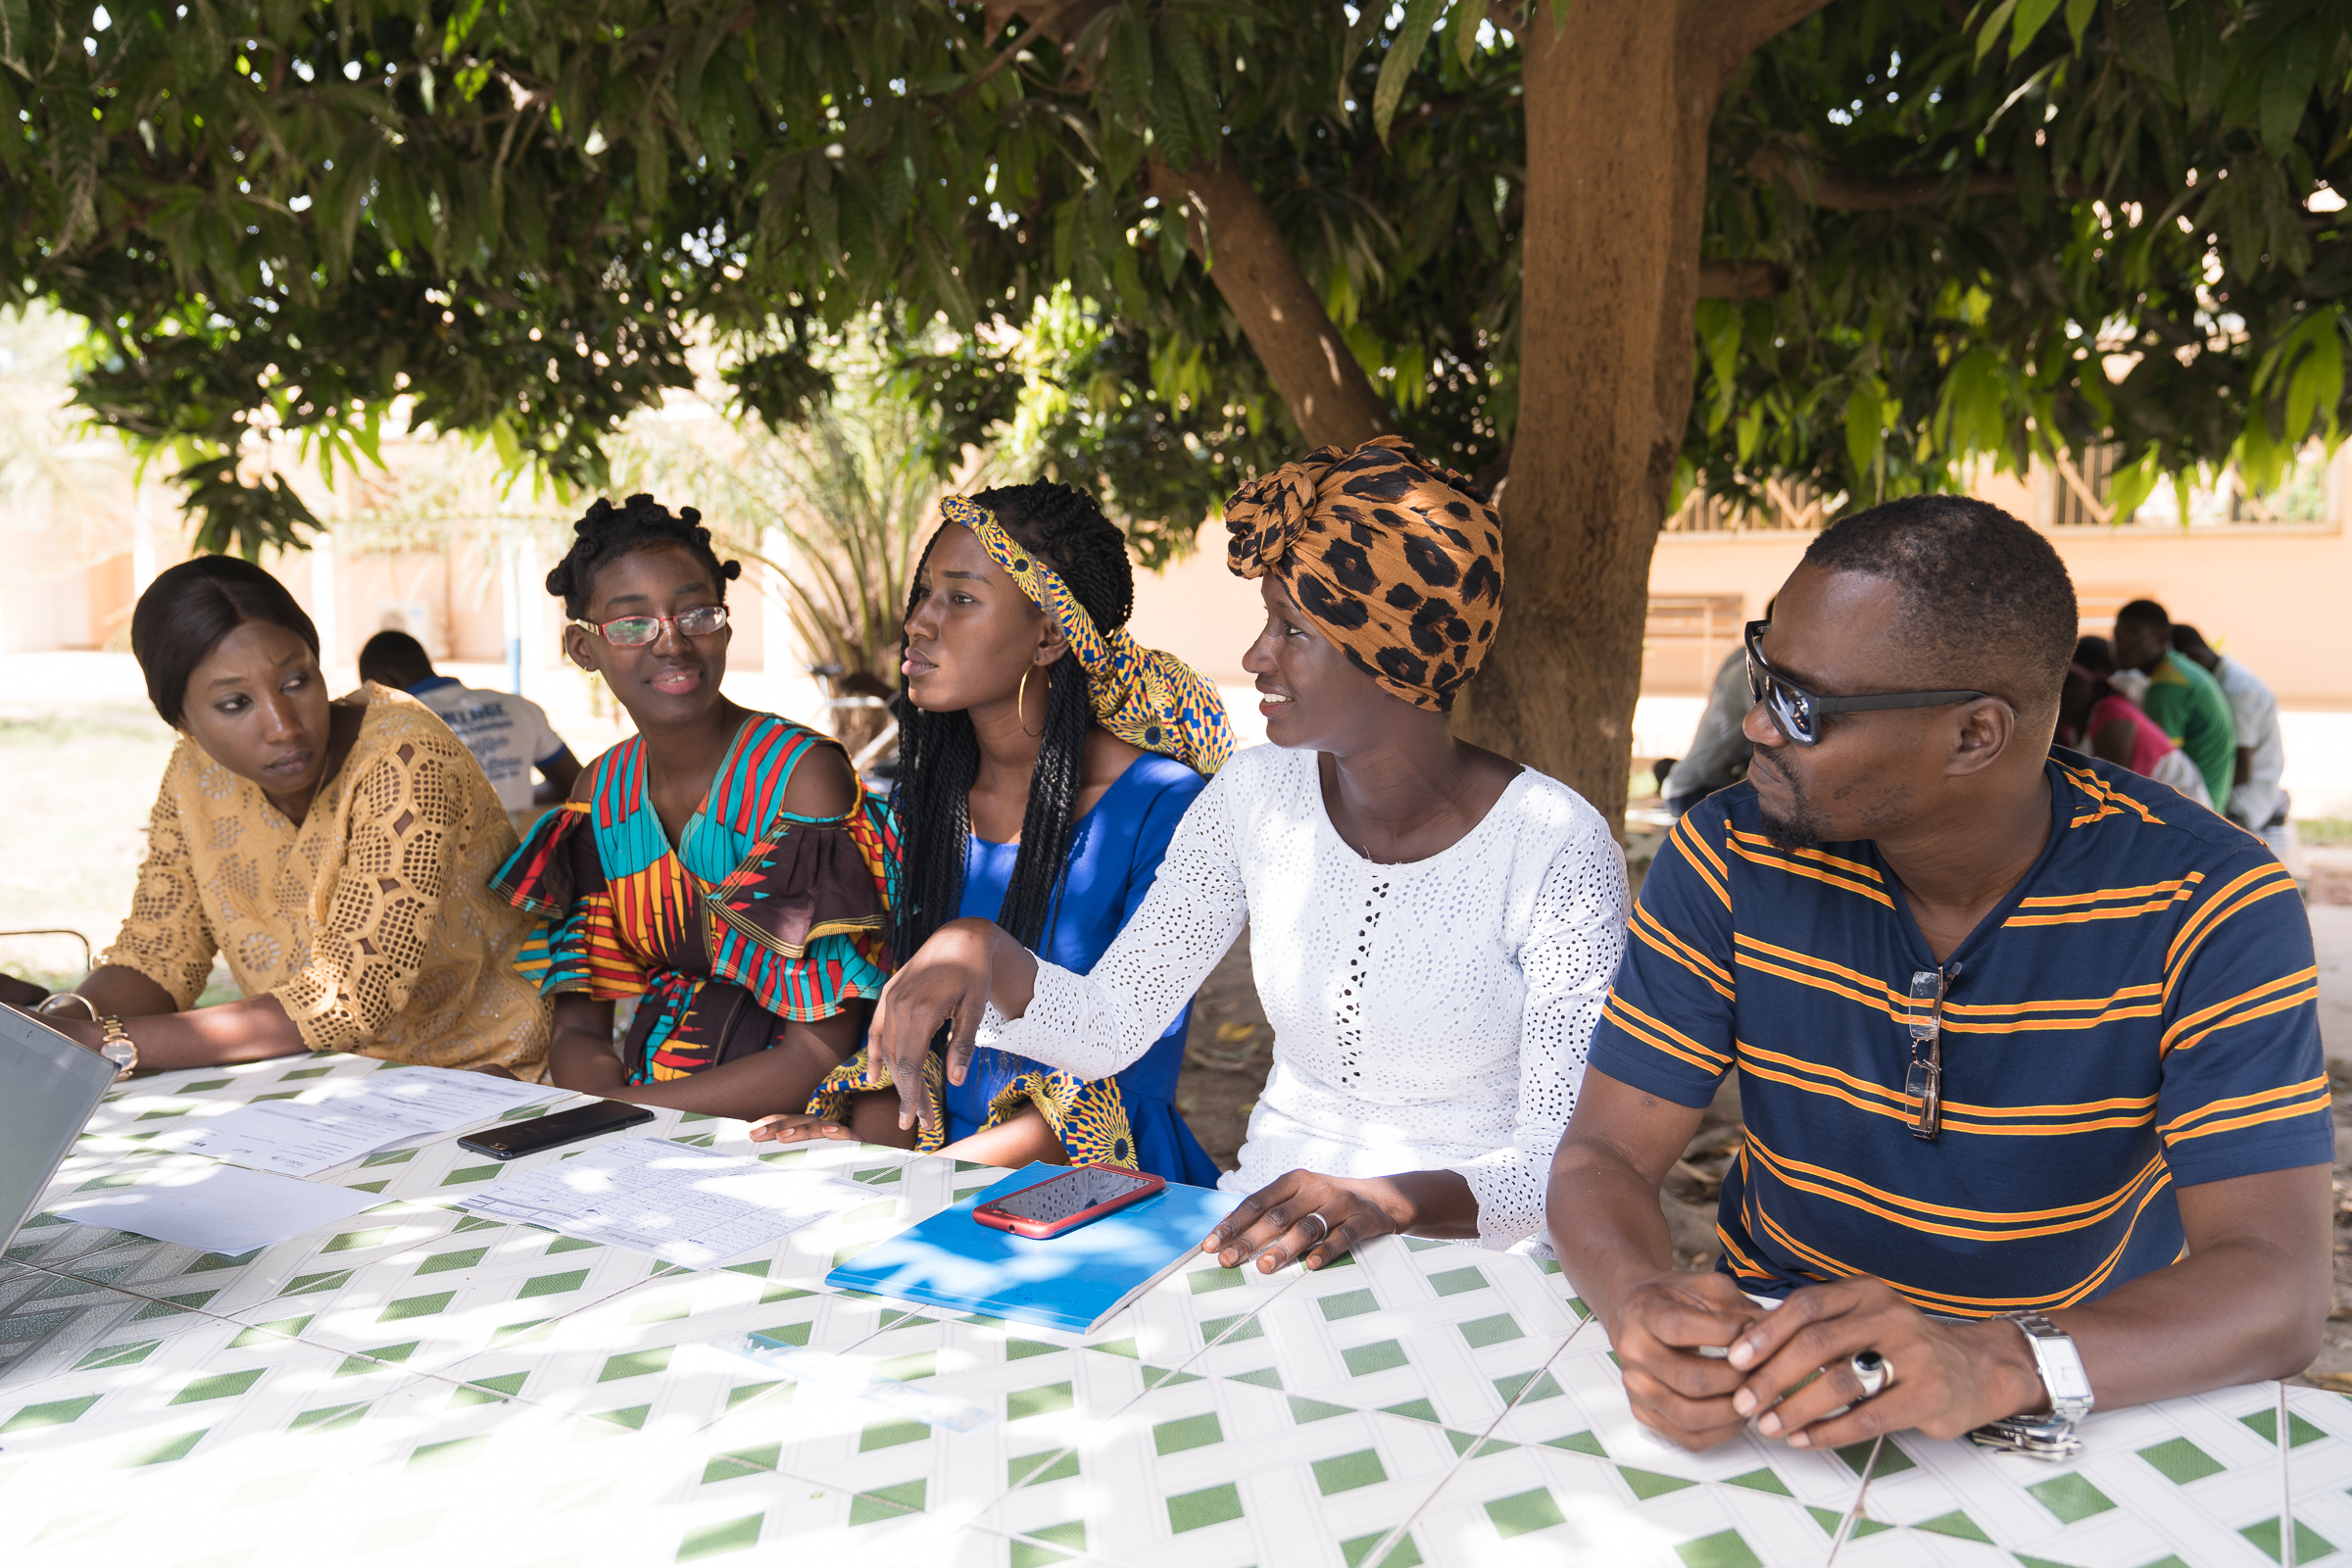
(723, 867)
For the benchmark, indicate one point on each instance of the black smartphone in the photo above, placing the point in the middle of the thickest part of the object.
(517, 1139)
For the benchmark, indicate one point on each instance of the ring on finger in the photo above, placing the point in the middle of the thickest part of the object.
(1322, 1229)
(1872, 1371)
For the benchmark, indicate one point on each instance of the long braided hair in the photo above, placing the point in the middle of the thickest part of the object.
(940, 752)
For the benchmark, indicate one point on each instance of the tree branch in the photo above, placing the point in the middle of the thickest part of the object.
(1845, 193)
(1004, 57)
(1731, 30)
(1740, 280)
(1260, 277)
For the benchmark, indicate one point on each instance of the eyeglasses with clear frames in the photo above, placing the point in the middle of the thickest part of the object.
(1923, 1086)
(636, 632)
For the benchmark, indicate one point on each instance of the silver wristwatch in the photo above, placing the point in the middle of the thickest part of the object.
(2052, 1435)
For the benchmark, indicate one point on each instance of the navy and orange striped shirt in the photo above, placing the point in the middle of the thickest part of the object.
(2140, 1012)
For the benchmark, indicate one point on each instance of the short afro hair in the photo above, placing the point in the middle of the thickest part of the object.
(395, 658)
(1986, 600)
(2146, 613)
(609, 532)
(188, 609)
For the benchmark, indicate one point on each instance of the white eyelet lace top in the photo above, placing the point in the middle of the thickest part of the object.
(1431, 1015)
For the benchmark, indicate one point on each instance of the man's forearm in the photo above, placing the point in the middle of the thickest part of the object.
(1606, 1227)
(2237, 1309)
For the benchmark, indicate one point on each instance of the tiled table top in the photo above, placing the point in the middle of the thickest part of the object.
(419, 1382)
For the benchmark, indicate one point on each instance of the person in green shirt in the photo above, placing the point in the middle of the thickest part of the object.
(2185, 700)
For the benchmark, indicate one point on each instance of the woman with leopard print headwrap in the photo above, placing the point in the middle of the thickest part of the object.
(1433, 927)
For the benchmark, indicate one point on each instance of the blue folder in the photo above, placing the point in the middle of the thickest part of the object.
(1074, 1282)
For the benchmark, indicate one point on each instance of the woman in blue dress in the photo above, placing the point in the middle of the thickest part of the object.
(1044, 762)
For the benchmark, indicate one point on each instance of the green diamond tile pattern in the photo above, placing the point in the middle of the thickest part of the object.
(417, 1380)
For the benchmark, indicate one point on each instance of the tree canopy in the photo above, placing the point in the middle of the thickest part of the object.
(1907, 236)
(1926, 243)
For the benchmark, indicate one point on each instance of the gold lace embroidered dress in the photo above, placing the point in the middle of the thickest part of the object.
(372, 923)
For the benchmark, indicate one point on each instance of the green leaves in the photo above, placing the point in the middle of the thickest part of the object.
(301, 250)
(2133, 483)
(1130, 61)
(2305, 376)
(1184, 110)
(1866, 420)
(1412, 38)
(2287, 77)
(16, 30)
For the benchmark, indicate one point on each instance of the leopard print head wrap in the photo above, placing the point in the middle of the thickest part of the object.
(1398, 559)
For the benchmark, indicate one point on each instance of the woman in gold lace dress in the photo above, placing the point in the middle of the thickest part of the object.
(336, 855)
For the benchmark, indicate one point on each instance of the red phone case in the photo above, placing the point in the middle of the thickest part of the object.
(994, 1217)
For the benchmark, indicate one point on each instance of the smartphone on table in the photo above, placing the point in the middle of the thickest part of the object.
(517, 1139)
(1064, 1202)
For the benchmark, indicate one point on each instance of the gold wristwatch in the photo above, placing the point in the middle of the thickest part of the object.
(117, 1046)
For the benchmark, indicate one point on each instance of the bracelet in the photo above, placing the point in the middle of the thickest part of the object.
(52, 1006)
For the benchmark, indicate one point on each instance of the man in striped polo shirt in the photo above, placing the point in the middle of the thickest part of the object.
(2020, 1036)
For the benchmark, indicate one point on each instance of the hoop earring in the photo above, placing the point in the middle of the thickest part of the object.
(1020, 703)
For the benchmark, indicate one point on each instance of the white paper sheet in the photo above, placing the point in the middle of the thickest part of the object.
(217, 1208)
(337, 1122)
(679, 1203)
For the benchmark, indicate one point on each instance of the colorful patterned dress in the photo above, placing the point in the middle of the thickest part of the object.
(758, 916)
(1129, 1119)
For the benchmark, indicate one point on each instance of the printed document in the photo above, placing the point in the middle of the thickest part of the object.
(337, 1122)
(679, 1203)
(217, 1209)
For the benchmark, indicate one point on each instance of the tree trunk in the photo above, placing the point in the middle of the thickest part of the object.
(1618, 108)
(1280, 312)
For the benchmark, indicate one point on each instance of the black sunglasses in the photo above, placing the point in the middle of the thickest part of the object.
(1798, 712)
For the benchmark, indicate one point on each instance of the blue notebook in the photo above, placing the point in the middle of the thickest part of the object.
(1074, 1282)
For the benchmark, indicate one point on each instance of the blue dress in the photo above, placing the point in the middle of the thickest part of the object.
(1115, 853)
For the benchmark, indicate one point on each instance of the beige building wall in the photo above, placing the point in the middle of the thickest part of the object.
(1199, 612)
(2278, 596)
(2275, 597)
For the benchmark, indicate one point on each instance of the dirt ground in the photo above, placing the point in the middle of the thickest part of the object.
(1226, 1054)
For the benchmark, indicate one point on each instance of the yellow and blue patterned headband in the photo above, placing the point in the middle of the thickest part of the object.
(1144, 697)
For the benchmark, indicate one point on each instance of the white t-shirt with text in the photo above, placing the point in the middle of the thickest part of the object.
(509, 735)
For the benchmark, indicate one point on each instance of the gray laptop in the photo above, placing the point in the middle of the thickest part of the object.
(48, 1088)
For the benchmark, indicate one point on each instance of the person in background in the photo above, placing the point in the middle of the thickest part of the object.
(1044, 760)
(1718, 754)
(2098, 655)
(723, 867)
(508, 734)
(335, 855)
(2095, 717)
(2028, 1047)
(1435, 925)
(2180, 697)
(2256, 802)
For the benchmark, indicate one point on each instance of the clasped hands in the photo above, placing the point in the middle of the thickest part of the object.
(1788, 1369)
